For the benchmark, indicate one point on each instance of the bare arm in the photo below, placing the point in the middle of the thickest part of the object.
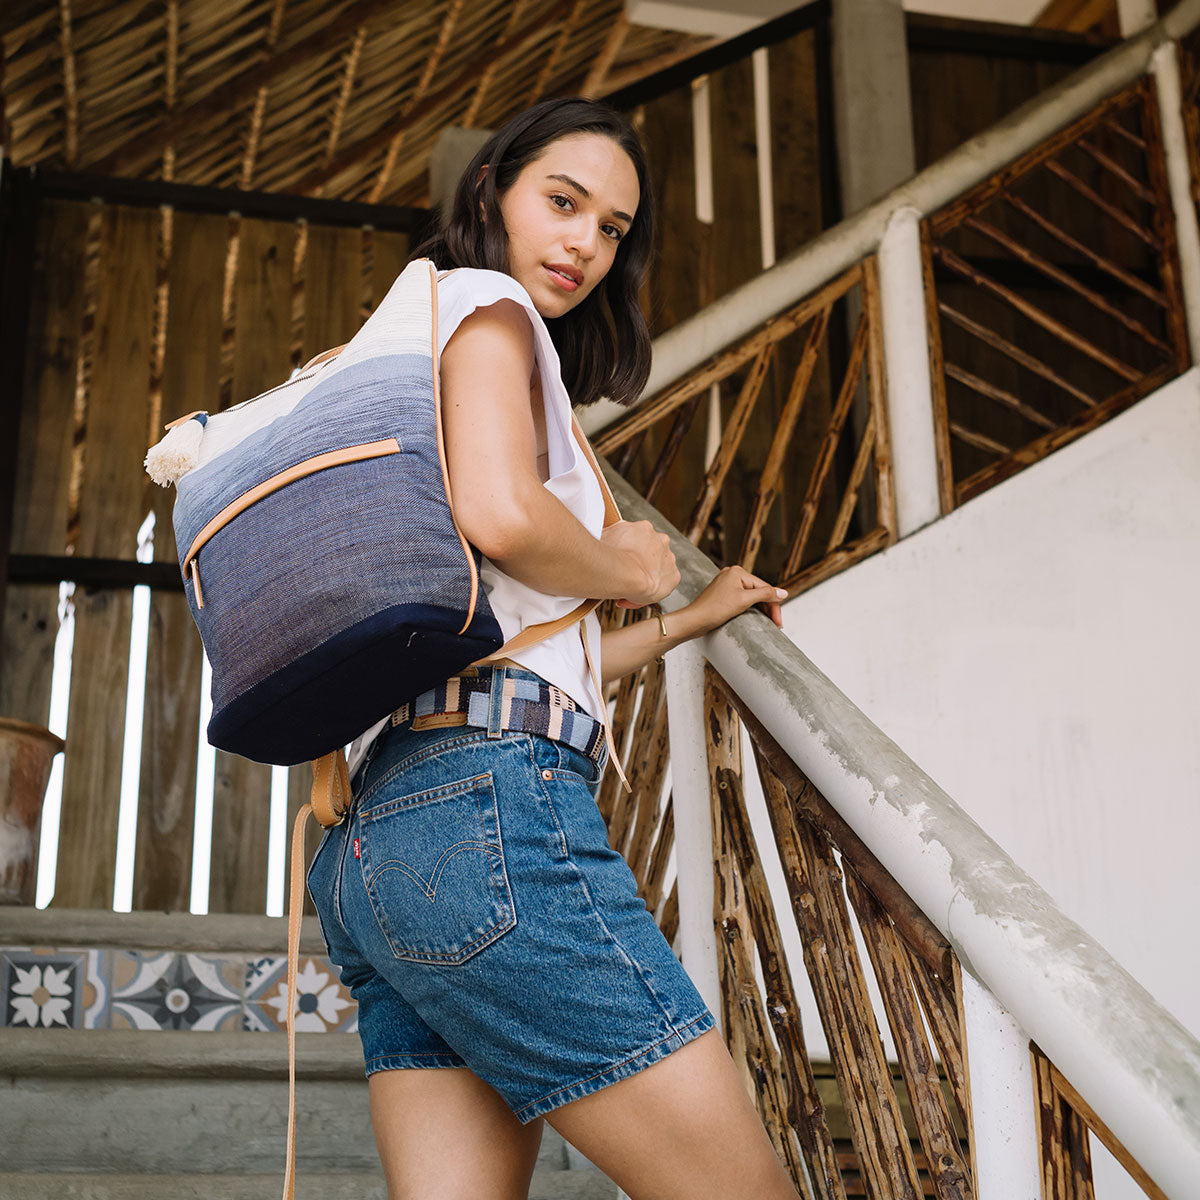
(499, 500)
(731, 592)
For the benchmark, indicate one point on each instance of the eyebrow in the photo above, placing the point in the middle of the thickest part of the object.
(588, 195)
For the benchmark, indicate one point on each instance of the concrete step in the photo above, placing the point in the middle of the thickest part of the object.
(116, 1110)
(129, 1114)
(312, 1185)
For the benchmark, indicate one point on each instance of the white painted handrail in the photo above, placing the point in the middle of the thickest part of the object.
(1129, 1058)
(691, 342)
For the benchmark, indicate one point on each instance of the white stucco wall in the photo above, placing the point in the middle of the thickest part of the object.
(1037, 654)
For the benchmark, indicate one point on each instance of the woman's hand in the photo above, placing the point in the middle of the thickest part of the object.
(650, 552)
(731, 593)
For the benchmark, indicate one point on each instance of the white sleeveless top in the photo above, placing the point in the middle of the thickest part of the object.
(559, 658)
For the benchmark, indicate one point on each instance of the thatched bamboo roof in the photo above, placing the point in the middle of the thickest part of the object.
(338, 99)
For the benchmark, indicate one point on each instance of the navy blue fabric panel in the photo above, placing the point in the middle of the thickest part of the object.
(384, 396)
(326, 698)
(322, 555)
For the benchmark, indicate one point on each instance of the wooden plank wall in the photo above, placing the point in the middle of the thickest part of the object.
(170, 731)
(696, 262)
(113, 495)
(44, 458)
(89, 403)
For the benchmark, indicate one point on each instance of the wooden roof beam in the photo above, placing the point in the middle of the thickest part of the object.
(465, 79)
(250, 154)
(347, 86)
(547, 71)
(70, 90)
(431, 65)
(477, 99)
(141, 149)
(171, 78)
(599, 70)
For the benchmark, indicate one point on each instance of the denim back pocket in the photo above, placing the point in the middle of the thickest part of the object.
(433, 868)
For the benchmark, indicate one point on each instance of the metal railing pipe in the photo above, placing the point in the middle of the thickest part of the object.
(1133, 1062)
(684, 347)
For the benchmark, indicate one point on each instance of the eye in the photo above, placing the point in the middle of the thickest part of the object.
(614, 231)
(567, 203)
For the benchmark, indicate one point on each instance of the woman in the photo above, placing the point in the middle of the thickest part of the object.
(471, 901)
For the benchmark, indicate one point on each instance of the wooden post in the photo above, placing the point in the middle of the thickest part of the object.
(1004, 1146)
(909, 387)
(18, 221)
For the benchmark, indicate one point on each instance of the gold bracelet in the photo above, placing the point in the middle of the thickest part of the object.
(662, 621)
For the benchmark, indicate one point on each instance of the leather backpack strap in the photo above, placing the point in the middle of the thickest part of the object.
(538, 633)
(533, 634)
(328, 803)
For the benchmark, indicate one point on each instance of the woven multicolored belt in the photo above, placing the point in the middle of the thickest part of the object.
(496, 699)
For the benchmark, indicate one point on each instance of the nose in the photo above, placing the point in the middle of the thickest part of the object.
(583, 237)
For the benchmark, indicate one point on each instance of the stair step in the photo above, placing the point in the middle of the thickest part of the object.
(310, 1185)
(195, 1104)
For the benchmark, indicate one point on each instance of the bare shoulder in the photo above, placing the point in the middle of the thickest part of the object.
(497, 335)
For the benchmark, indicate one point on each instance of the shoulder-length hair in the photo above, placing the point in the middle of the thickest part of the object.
(603, 343)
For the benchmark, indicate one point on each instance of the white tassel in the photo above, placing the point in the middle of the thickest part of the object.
(178, 452)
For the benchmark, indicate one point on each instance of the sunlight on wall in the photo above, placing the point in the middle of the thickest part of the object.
(60, 693)
(131, 757)
(205, 770)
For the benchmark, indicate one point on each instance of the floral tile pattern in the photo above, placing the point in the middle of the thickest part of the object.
(47, 988)
(175, 991)
(322, 1003)
(42, 990)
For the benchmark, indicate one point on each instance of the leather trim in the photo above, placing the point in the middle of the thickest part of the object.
(441, 445)
(310, 466)
(324, 356)
(180, 420)
(612, 514)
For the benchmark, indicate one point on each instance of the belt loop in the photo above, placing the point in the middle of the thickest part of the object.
(496, 704)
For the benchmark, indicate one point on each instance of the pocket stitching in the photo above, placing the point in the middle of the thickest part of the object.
(501, 886)
(439, 868)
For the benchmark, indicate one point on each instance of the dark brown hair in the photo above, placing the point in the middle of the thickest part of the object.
(603, 343)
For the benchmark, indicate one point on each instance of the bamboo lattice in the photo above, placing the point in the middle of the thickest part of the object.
(339, 99)
(1064, 1121)
(641, 822)
(888, 1149)
(1053, 295)
(774, 454)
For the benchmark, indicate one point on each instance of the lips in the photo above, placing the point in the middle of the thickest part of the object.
(565, 275)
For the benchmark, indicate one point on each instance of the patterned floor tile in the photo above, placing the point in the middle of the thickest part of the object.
(323, 1004)
(44, 988)
(176, 991)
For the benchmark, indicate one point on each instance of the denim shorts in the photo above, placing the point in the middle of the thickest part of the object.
(475, 910)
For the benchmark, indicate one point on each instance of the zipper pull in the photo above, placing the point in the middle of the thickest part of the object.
(196, 583)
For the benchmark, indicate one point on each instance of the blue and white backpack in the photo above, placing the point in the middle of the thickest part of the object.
(321, 559)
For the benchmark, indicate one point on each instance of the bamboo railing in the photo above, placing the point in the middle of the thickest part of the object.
(1054, 300)
(872, 852)
(1083, 333)
(909, 1136)
(814, 505)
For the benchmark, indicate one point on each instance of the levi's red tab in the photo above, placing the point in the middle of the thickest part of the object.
(356, 853)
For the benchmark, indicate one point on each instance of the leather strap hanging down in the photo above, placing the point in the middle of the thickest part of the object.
(328, 804)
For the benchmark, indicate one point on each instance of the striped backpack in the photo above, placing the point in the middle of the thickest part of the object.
(321, 559)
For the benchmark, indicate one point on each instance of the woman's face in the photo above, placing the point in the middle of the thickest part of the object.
(565, 214)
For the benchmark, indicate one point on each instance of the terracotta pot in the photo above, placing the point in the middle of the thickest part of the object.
(26, 756)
